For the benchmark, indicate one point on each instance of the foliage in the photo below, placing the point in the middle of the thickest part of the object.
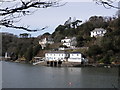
(99, 48)
(94, 50)
(103, 49)
(46, 34)
(36, 49)
(80, 41)
(29, 54)
(110, 43)
(19, 47)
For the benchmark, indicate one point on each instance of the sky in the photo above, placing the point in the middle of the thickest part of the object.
(54, 16)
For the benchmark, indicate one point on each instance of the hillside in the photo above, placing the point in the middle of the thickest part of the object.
(19, 47)
(102, 49)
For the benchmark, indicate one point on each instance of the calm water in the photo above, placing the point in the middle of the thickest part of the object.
(16, 75)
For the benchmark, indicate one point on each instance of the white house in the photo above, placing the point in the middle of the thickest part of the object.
(63, 56)
(47, 40)
(56, 56)
(98, 32)
(61, 48)
(69, 42)
(75, 57)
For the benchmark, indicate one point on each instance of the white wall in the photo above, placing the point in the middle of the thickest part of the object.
(65, 40)
(75, 57)
(69, 42)
(66, 44)
(55, 56)
(97, 33)
(93, 34)
(72, 57)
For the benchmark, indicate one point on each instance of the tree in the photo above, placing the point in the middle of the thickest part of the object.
(36, 49)
(25, 35)
(46, 34)
(106, 59)
(29, 54)
(80, 40)
(107, 3)
(76, 23)
(10, 15)
(107, 44)
(94, 50)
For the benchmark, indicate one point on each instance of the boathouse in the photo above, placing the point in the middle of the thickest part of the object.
(56, 56)
(65, 56)
(75, 57)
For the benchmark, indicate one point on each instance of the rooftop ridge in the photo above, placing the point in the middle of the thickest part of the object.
(99, 29)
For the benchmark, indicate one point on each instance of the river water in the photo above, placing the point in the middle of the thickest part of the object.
(16, 75)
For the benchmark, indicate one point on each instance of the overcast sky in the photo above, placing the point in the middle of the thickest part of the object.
(52, 17)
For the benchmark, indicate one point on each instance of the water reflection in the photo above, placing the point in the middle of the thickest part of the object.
(17, 75)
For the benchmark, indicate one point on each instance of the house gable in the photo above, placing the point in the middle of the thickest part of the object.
(98, 32)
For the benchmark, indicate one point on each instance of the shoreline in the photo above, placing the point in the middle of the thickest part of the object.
(69, 64)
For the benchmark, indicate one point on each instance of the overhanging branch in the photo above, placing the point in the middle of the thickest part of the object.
(8, 15)
(107, 3)
(22, 27)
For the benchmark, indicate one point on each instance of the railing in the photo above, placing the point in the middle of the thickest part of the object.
(37, 62)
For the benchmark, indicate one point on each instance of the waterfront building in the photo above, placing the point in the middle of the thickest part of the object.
(56, 56)
(65, 56)
(76, 57)
(98, 32)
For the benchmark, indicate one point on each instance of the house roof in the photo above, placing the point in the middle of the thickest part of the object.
(64, 52)
(98, 29)
(75, 52)
(69, 38)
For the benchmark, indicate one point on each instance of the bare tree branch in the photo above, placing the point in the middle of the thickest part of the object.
(107, 3)
(24, 28)
(9, 15)
(7, 0)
